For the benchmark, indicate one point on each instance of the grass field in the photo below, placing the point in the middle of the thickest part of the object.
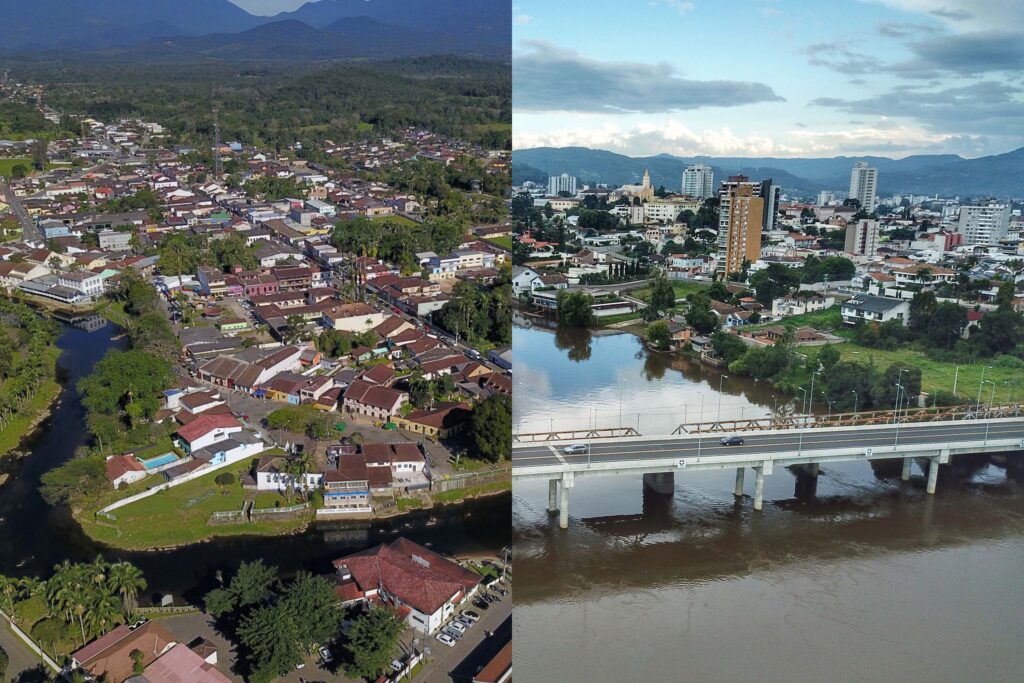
(682, 289)
(471, 491)
(179, 516)
(7, 164)
(504, 242)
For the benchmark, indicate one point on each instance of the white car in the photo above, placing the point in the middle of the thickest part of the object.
(470, 615)
(458, 626)
(396, 665)
(445, 639)
(574, 449)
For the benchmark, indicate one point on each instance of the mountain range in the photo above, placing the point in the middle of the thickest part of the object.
(999, 175)
(202, 29)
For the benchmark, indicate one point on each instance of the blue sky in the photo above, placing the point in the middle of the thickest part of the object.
(770, 77)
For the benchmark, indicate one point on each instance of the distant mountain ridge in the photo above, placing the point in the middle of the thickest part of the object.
(218, 28)
(999, 175)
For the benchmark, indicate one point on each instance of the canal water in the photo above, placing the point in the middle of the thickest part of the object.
(858, 577)
(35, 536)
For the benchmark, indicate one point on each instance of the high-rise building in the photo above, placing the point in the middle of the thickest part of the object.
(698, 181)
(770, 193)
(740, 221)
(862, 237)
(864, 185)
(561, 183)
(984, 224)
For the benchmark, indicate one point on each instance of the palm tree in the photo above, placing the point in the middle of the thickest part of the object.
(10, 588)
(104, 609)
(127, 580)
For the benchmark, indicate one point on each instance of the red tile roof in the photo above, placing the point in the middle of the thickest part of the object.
(415, 575)
(119, 465)
(206, 423)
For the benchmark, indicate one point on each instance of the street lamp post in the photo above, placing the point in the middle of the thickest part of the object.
(988, 422)
(977, 405)
(800, 441)
(956, 376)
(895, 443)
(854, 392)
(810, 396)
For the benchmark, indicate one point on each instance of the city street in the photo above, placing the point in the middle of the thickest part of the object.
(21, 658)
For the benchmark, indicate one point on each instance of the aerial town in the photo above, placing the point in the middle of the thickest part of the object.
(738, 273)
(302, 343)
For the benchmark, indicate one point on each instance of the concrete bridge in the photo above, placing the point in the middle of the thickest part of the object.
(614, 451)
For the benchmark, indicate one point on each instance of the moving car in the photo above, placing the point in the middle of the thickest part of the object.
(731, 441)
(574, 449)
(445, 639)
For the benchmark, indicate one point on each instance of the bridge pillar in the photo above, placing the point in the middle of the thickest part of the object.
(812, 469)
(933, 474)
(563, 508)
(663, 483)
(758, 487)
(552, 495)
(905, 474)
(738, 492)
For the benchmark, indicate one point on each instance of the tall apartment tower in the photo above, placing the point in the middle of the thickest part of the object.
(984, 224)
(864, 185)
(862, 238)
(771, 195)
(561, 183)
(740, 221)
(698, 181)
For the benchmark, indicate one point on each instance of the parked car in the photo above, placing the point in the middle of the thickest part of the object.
(480, 603)
(448, 630)
(445, 639)
(458, 626)
(574, 449)
(502, 591)
(471, 615)
(326, 655)
(466, 623)
(396, 665)
(731, 441)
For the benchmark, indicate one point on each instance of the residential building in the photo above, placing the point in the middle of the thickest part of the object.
(380, 403)
(741, 220)
(83, 281)
(880, 309)
(561, 183)
(984, 224)
(424, 587)
(110, 658)
(698, 181)
(354, 317)
(862, 237)
(112, 240)
(181, 663)
(864, 185)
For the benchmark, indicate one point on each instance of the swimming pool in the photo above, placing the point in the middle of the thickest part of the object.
(158, 461)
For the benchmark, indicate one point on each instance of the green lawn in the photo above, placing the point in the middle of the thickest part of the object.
(935, 376)
(7, 164)
(405, 504)
(682, 289)
(179, 516)
(620, 318)
(828, 320)
(471, 491)
(504, 242)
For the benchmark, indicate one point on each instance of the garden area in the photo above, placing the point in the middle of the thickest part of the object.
(180, 515)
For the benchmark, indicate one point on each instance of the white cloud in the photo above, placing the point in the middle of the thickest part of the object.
(678, 5)
(976, 15)
(522, 19)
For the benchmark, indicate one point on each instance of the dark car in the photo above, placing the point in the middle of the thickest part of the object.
(732, 441)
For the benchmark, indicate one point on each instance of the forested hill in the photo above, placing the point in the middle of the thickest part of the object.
(275, 105)
(1000, 175)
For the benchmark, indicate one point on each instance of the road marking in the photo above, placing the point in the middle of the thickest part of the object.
(556, 454)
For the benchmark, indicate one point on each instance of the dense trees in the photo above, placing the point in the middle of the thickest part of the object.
(372, 642)
(658, 335)
(276, 623)
(574, 309)
(478, 315)
(490, 429)
(699, 315)
(27, 357)
(123, 391)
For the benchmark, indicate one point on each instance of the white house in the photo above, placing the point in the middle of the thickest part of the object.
(355, 317)
(875, 309)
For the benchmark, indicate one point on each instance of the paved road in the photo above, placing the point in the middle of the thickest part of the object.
(617, 450)
(21, 658)
(29, 230)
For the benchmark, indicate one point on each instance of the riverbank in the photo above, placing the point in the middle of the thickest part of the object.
(23, 424)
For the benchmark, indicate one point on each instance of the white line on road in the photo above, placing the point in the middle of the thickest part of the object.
(557, 454)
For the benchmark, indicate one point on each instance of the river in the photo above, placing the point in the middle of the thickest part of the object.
(35, 536)
(856, 578)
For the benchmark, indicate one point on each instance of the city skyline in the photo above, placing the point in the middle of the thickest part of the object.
(885, 77)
